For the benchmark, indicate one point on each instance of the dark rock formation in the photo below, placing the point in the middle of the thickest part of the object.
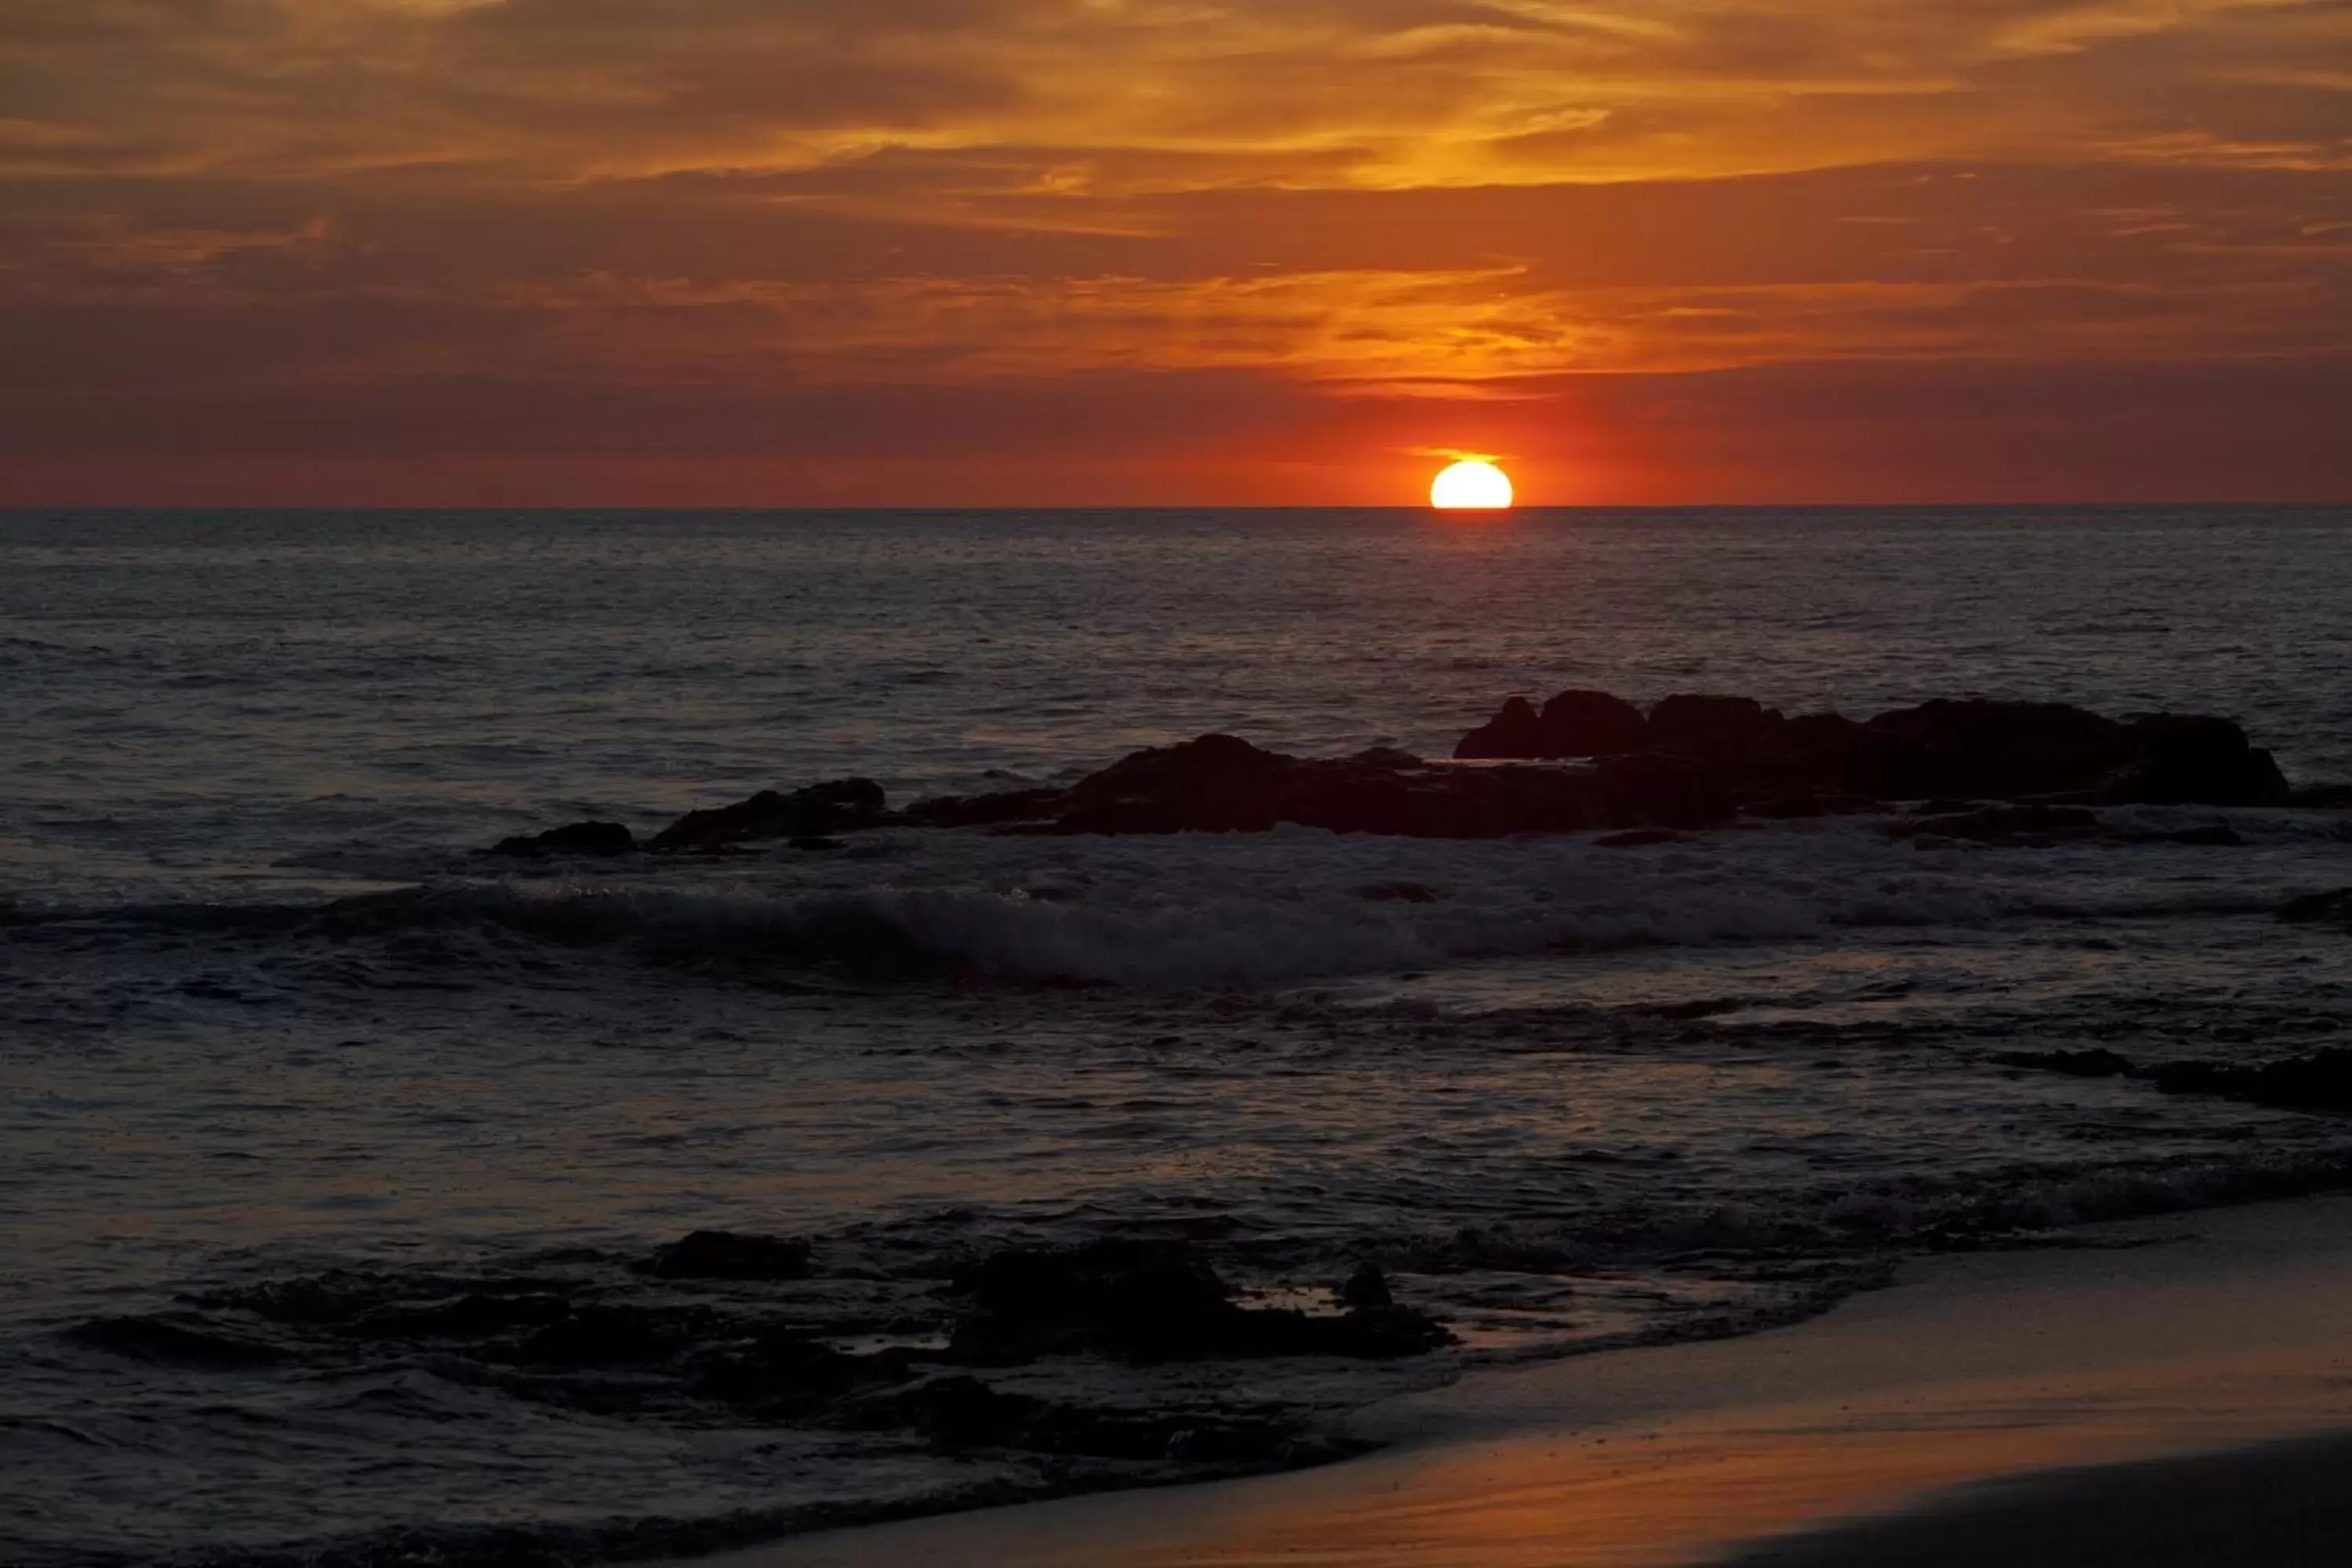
(1366, 1288)
(1975, 748)
(1220, 785)
(2319, 1081)
(1572, 724)
(2183, 760)
(726, 1255)
(573, 838)
(841, 805)
(1152, 1301)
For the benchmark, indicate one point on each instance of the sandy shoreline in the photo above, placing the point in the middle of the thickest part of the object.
(1836, 1440)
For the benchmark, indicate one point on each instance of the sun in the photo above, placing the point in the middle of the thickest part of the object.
(1471, 485)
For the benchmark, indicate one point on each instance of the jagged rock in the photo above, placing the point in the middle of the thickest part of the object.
(726, 1255)
(1726, 732)
(1572, 724)
(1152, 1301)
(2184, 759)
(841, 805)
(1517, 732)
(572, 838)
(2009, 749)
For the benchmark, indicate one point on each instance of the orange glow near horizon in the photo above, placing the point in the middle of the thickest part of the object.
(1026, 252)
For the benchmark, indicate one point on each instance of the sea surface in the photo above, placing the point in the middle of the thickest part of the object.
(312, 1113)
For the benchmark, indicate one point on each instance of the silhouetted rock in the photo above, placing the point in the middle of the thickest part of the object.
(1367, 1287)
(573, 838)
(1517, 732)
(841, 807)
(2009, 749)
(2185, 759)
(2319, 1081)
(1152, 1301)
(1726, 732)
(725, 1254)
(1572, 724)
(1219, 784)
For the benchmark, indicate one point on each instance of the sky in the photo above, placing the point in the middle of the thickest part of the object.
(1172, 252)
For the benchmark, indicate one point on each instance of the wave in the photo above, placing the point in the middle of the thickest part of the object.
(1201, 936)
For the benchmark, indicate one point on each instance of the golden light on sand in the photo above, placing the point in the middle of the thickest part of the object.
(1471, 485)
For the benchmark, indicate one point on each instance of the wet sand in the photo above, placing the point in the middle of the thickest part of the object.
(2181, 1395)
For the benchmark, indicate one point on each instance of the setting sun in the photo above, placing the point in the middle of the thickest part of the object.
(1471, 485)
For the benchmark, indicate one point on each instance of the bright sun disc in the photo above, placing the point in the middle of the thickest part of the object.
(1470, 485)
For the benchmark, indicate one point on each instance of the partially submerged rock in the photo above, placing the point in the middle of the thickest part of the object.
(1153, 1301)
(597, 838)
(728, 1254)
(819, 811)
(1973, 747)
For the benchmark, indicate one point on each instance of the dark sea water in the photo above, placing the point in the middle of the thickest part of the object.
(304, 1102)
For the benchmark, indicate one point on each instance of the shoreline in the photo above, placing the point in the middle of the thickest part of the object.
(1980, 1401)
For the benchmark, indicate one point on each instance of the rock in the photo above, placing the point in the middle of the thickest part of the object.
(841, 807)
(1152, 1301)
(1219, 784)
(1367, 1287)
(987, 810)
(2007, 749)
(1517, 731)
(725, 1254)
(573, 838)
(2182, 758)
(1727, 731)
(1591, 724)
(1655, 790)
(779, 1373)
(2319, 1081)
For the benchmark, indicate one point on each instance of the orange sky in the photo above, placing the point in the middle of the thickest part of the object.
(796, 252)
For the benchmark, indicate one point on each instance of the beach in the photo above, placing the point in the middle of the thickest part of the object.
(2173, 1391)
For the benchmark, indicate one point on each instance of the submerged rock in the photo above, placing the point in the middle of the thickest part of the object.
(819, 811)
(1153, 1301)
(573, 838)
(727, 1254)
(1971, 748)
(2319, 1081)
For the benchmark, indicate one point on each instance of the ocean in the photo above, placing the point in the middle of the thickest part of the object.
(335, 1153)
